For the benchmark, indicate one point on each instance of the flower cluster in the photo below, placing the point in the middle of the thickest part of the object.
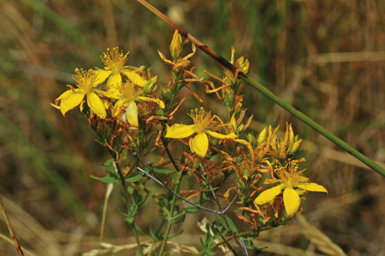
(117, 88)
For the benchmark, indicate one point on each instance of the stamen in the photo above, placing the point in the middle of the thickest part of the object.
(202, 119)
(86, 79)
(114, 59)
(128, 90)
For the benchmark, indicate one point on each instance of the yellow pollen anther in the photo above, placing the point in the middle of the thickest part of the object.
(202, 119)
(289, 173)
(114, 59)
(86, 79)
(128, 90)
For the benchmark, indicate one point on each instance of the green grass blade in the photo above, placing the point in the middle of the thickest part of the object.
(307, 120)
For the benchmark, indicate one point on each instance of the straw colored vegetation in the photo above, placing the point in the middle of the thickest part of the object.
(326, 58)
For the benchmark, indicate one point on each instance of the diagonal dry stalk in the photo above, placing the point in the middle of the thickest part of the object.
(10, 229)
(266, 92)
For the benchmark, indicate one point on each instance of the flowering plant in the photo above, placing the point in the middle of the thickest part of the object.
(257, 176)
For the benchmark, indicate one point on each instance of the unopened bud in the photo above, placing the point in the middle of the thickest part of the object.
(250, 137)
(243, 64)
(262, 136)
(167, 93)
(176, 45)
(229, 97)
(233, 123)
(150, 86)
(296, 145)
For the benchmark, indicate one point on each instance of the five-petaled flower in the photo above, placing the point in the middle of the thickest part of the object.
(290, 179)
(202, 127)
(114, 66)
(126, 98)
(86, 82)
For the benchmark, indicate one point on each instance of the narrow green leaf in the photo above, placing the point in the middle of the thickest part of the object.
(231, 224)
(223, 222)
(135, 178)
(105, 179)
(191, 209)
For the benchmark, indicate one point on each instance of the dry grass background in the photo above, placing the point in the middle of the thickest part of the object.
(325, 57)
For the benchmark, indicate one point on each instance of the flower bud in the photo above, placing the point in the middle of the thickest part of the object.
(176, 45)
(229, 97)
(262, 136)
(296, 145)
(150, 86)
(243, 64)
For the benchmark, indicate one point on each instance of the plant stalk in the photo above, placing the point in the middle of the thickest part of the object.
(173, 200)
(266, 92)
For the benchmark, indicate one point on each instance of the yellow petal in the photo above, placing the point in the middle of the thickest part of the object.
(157, 101)
(55, 106)
(117, 109)
(96, 105)
(312, 187)
(242, 141)
(72, 100)
(179, 131)
(131, 114)
(222, 136)
(291, 201)
(101, 75)
(64, 95)
(199, 144)
(114, 82)
(134, 77)
(268, 195)
(164, 58)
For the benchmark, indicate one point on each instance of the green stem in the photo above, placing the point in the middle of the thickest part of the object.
(307, 120)
(139, 250)
(126, 195)
(173, 200)
(172, 209)
(124, 186)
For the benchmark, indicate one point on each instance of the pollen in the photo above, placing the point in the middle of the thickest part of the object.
(114, 59)
(128, 90)
(202, 119)
(86, 79)
(289, 173)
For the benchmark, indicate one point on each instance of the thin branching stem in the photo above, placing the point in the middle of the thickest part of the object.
(208, 182)
(173, 200)
(163, 184)
(123, 183)
(126, 195)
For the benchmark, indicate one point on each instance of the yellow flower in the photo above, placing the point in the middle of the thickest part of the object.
(114, 66)
(86, 83)
(202, 121)
(127, 96)
(289, 178)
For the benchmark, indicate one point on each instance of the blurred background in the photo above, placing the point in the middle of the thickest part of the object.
(327, 58)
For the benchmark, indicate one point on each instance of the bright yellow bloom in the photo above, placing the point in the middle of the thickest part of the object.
(202, 121)
(86, 83)
(289, 179)
(126, 100)
(114, 66)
